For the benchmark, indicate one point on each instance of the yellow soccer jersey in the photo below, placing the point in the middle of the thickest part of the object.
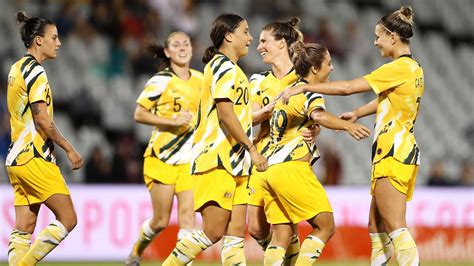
(265, 87)
(166, 95)
(399, 86)
(213, 145)
(27, 84)
(286, 124)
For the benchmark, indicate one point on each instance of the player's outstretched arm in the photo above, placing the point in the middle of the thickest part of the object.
(365, 110)
(330, 121)
(343, 87)
(261, 114)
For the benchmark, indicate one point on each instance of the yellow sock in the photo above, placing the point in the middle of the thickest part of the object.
(18, 246)
(381, 249)
(188, 248)
(292, 251)
(232, 252)
(405, 247)
(145, 237)
(48, 239)
(310, 250)
(184, 232)
(274, 256)
(266, 241)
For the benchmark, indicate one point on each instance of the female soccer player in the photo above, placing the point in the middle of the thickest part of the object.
(399, 86)
(31, 164)
(274, 43)
(291, 191)
(223, 148)
(169, 103)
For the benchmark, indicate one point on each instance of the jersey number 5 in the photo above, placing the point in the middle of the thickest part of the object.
(177, 105)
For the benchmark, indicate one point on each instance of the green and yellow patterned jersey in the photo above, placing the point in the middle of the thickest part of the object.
(265, 87)
(399, 86)
(27, 84)
(286, 124)
(213, 144)
(166, 95)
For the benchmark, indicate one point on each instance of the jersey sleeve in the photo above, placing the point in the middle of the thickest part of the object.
(388, 76)
(223, 81)
(37, 84)
(313, 102)
(154, 88)
(255, 81)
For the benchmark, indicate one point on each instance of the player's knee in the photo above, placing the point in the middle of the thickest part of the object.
(257, 231)
(26, 225)
(69, 222)
(331, 230)
(185, 211)
(215, 234)
(328, 228)
(159, 224)
(391, 226)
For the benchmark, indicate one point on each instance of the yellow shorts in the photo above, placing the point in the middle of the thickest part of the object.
(219, 186)
(255, 188)
(241, 195)
(401, 176)
(179, 175)
(36, 181)
(292, 193)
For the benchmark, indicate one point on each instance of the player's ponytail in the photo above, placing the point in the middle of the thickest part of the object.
(306, 56)
(209, 54)
(31, 27)
(223, 24)
(158, 52)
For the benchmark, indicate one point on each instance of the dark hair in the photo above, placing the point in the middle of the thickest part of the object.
(223, 24)
(287, 30)
(31, 27)
(307, 55)
(158, 51)
(400, 21)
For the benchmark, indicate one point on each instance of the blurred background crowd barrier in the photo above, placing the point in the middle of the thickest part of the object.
(443, 226)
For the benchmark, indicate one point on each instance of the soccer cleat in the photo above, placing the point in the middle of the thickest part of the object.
(132, 260)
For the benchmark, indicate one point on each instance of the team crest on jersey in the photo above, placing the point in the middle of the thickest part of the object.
(11, 80)
(228, 195)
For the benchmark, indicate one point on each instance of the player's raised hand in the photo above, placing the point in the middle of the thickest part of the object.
(268, 109)
(348, 116)
(358, 131)
(288, 92)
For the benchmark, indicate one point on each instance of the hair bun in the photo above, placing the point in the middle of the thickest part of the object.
(406, 14)
(294, 21)
(21, 17)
